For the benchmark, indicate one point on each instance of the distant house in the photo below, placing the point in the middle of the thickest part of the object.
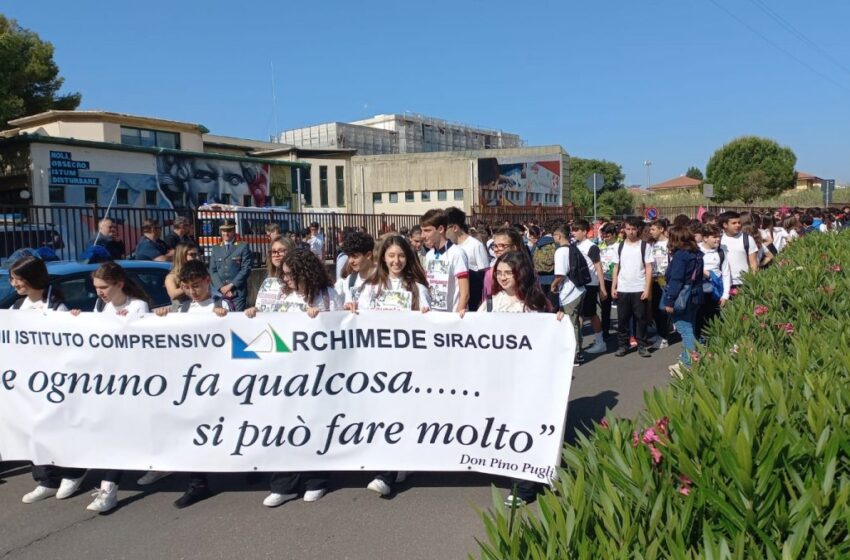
(638, 191)
(679, 185)
(807, 181)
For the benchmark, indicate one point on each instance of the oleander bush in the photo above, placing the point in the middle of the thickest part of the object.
(746, 457)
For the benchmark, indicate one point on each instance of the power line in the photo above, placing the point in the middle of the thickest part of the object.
(797, 33)
(779, 47)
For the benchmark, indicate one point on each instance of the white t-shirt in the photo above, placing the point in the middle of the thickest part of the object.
(711, 263)
(568, 291)
(131, 305)
(296, 302)
(207, 306)
(660, 258)
(592, 255)
(503, 303)
(38, 305)
(351, 292)
(476, 254)
(443, 271)
(392, 298)
(780, 238)
(738, 259)
(270, 295)
(317, 246)
(632, 275)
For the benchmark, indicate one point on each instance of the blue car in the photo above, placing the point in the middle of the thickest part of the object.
(74, 279)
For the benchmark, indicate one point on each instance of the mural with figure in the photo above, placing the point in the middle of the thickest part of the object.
(188, 181)
(520, 181)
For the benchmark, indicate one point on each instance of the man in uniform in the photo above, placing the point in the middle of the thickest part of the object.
(230, 266)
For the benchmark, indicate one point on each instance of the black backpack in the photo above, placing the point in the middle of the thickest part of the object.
(579, 273)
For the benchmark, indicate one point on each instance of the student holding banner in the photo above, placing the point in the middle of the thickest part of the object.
(306, 287)
(516, 290)
(197, 284)
(30, 280)
(270, 295)
(117, 294)
(397, 284)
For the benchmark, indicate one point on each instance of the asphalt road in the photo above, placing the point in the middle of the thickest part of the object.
(432, 515)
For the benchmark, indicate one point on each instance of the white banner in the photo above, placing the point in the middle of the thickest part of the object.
(283, 392)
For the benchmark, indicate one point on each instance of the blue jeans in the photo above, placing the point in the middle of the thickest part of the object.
(684, 323)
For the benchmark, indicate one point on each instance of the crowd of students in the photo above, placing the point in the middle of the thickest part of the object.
(668, 277)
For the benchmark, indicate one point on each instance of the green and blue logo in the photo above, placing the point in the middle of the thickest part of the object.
(267, 342)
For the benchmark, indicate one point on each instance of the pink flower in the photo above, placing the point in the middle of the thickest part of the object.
(604, 423)
(662, 424)
(649, 436)
(635, 439)
(695, 357)
(684, 490)
(685, 487)
(761, 310)
(787, 327)
(733, 292)
(656, 454)
(836, 268)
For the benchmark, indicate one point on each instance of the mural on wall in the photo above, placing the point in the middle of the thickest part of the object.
(520, 181)
(192, 181)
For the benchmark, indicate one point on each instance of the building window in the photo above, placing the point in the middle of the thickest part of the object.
(224, 198)
(131, 136)
(122, 196)
(408, 196)
(202, 198)
(91, 195)
(57, 194)
(426, 196)
(307, 188)
(150, 198)
(246, 200)
(340, 185)
(393, 197)
(376, 198)
(323, 186)
(442, 195)
(458, 194)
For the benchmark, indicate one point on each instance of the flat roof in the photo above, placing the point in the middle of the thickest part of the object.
(468, 154)
(103, 116)
(29, 138)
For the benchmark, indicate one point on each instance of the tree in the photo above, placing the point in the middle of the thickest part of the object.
(694, 173)
(29, 78)
(581, 169)
(616, 202)
(750, 168)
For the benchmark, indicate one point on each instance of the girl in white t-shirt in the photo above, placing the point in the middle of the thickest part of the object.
(398, 282)
(30, 280)
(306, 288)
(270, 295)
(117, 294)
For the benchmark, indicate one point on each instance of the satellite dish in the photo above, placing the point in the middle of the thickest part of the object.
(25, 194)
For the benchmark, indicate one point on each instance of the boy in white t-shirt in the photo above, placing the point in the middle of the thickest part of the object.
(660, 261)
(595, 291)
(740, 249)
(445, 265)
(570, 296)
(631, 287)
(477, 257)
(358, 246)
(197, 284)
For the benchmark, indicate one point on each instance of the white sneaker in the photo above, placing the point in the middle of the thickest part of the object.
(314, 495)
(69, 487)
(40, 493)
(152, 476)
(274, 499)
(379, 486)
(598, 347)
(105, 497)
(660, 344)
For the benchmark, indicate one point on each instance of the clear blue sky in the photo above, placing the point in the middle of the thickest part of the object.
(663, 80)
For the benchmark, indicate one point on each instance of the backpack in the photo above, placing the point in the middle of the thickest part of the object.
(544, 259)
(579, 273)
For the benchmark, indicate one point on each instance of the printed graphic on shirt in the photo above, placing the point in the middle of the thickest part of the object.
(269, 295)
(392, 300)
(606, 258)
(438, 280)
(660, 260)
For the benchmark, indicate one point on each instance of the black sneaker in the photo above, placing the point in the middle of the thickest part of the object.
(643, 352)
(621, 351)
(193, 495)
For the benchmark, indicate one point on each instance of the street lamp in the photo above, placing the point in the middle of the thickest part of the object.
(648, 163)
